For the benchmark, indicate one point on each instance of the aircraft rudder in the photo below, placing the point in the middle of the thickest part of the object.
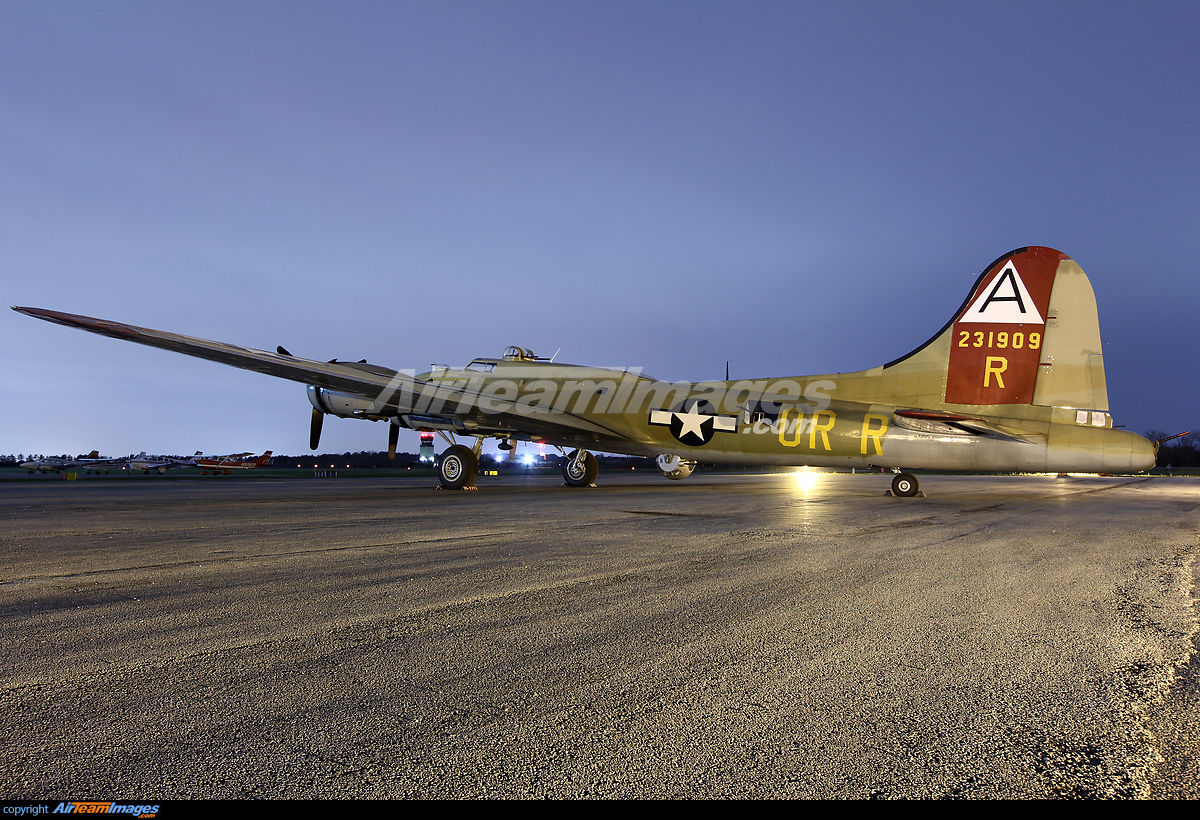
(1072, 370)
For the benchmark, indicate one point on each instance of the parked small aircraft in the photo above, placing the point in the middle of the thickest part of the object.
(229, 463)
(94, 464)
(58, 464)
(159, 464)
(1013, 382)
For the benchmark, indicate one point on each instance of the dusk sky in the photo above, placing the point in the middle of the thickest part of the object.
(796, 188)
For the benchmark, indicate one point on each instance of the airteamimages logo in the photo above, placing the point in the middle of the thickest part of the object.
(81, 807)
(106, 807)
(526, 392)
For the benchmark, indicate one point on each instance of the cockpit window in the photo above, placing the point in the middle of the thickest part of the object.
(481, 366)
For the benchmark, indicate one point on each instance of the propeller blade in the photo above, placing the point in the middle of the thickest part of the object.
(393, 437)
(314, 430)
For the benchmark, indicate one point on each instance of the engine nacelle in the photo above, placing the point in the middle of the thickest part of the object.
(674, 467)
(339, 404)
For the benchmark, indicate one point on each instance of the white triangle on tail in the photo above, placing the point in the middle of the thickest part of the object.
(1005, 301)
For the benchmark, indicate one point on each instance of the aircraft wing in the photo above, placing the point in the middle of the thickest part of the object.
(356, 378)
(332, 375)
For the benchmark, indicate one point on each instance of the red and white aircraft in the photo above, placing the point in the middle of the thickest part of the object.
(227, 464)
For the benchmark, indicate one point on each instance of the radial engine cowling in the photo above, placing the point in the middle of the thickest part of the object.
(674, 467)
(343, 405)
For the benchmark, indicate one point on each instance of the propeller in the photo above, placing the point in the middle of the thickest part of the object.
(393, 437)
(314, 430)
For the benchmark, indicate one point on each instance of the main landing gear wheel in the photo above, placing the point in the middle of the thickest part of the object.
(905, 485)
(457, 468)
(581, 472)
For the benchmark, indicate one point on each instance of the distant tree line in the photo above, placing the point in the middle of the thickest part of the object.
(13, 461)
(355, 461)
(373, 460)
(1181, 453)
(379, 460)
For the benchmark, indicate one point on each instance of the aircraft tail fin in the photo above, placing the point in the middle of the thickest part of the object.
(1028, 334)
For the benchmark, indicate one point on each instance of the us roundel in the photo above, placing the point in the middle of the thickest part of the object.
(694, 421)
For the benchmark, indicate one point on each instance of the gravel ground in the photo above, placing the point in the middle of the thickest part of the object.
(725, 636)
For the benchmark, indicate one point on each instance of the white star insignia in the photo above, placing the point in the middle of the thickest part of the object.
(692, 420)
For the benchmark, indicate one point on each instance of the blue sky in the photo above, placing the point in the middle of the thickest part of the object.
(795, 187)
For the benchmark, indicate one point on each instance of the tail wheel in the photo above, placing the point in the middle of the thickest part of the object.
(905, 485)
(580, 472)
(457, 468)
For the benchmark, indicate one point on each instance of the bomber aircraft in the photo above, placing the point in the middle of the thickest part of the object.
(1013, 382)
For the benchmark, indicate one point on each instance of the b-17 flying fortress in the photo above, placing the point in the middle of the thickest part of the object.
(1013, 382)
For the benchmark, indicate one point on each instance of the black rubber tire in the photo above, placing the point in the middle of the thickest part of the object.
(905, 485)
(585, 474)
(457, 468)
